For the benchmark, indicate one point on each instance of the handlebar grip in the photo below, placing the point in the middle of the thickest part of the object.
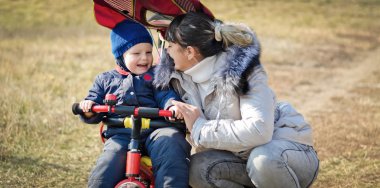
(148, 112)
(76, 109)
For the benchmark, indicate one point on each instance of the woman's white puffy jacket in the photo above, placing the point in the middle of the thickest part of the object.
(241, 112)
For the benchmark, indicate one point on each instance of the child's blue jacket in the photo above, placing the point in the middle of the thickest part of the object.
(130, 90)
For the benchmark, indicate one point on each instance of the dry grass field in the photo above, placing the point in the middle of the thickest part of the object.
(323, 56)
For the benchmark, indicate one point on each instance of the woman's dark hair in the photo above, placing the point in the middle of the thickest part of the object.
(195, 29)
(210, 36)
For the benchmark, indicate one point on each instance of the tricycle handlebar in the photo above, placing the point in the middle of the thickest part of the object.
(146, 112)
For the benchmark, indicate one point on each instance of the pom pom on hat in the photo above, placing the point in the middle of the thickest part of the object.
(126, 34)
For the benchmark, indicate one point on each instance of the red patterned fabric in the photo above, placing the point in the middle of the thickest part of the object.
(107, 17)
(110, 12)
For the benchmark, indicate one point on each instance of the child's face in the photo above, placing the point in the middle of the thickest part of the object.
(139, 58)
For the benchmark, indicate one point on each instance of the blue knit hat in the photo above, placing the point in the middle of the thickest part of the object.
(126, 34)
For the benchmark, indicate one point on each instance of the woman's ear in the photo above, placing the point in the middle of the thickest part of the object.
(191, 52)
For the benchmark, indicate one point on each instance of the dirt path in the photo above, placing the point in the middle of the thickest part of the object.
(342, 81)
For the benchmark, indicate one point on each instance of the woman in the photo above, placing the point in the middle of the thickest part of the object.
(242, 136)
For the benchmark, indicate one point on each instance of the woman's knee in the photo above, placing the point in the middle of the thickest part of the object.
(263, 161)
(199, 163)
(198, 170)
(215, 168)
(289, 162)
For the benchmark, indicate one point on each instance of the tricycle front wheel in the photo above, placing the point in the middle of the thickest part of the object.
(130, 184)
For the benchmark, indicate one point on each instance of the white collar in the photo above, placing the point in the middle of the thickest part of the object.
(202, 71)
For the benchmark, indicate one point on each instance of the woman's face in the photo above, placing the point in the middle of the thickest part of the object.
(180, 57)
(139, 58)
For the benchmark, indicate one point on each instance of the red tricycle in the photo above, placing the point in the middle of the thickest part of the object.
(138, 168)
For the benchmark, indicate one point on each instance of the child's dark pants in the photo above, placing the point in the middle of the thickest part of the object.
(167, 148)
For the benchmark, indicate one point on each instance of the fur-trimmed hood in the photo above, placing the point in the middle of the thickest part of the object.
(232, 78)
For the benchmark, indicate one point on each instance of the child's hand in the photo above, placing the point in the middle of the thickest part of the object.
(86, 105)
(177, 114)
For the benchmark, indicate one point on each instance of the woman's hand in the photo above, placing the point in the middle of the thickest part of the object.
(189, 112)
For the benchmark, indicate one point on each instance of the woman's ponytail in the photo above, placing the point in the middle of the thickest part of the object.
(230, 33)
